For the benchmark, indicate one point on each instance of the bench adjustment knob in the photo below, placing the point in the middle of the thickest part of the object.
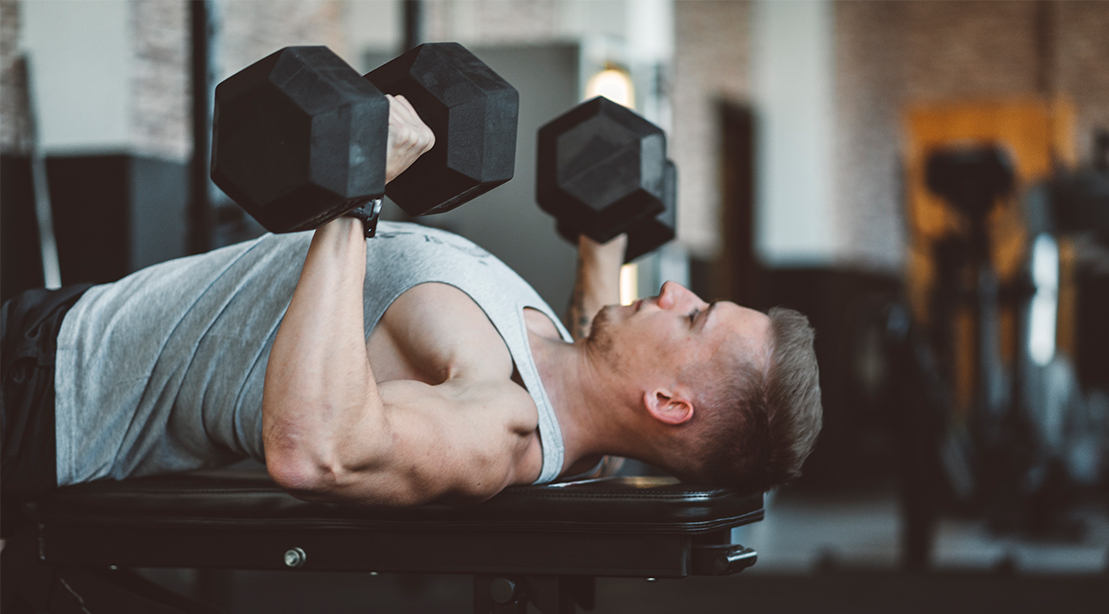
(503, 590)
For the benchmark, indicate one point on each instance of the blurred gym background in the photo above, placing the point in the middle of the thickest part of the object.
(928, 181)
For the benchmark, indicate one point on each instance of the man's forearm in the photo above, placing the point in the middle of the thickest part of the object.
(597, 282)
(319, 386)
(322, 414)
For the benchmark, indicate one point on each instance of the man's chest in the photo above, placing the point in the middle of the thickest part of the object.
(434, 332)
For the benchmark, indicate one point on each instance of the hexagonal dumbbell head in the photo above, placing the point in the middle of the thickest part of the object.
(473, 113)
(649, 233)
(601, 166)
(652, 232)
(299, 139)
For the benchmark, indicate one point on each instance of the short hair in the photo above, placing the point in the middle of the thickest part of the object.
(761, 420)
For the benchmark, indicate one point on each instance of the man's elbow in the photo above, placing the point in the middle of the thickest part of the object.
(300, 475)
(317, 465)
(322, 473)
(304, 472)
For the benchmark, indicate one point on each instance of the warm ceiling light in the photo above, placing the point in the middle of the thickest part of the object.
(614, 84)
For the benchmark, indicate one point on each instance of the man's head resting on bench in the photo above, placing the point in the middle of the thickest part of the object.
(745, 411)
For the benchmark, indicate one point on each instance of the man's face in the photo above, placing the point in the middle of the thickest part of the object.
(659, 336)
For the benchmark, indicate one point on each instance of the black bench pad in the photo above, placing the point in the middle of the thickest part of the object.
(608, 527)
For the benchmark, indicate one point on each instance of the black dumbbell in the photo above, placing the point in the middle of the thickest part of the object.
(647, 234)
(651, 233)
(300, 137)
(601, 171)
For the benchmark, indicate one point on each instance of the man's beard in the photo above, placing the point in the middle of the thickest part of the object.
(600, 333)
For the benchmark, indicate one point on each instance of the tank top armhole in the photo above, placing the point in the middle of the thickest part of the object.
(550, 432)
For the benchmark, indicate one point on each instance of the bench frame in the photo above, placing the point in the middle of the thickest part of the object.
(543, 545)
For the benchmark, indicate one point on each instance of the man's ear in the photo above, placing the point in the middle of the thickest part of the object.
(668, 407)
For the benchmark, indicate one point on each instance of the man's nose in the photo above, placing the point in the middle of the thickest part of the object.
(674, 295)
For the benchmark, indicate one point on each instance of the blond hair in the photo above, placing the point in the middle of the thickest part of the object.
(761, 421)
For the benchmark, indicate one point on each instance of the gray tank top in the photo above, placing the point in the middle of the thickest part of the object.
(162, 371)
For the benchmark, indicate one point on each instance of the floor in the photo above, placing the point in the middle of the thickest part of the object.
(805, 532)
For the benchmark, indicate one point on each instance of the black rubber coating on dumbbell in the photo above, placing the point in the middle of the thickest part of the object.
(601, 167)
(299, 138)
(473, 113)
(647, 234)
(651, 233)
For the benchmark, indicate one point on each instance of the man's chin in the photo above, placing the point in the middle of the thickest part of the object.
(599, 329)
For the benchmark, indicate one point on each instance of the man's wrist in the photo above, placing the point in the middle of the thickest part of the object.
(342, 227)
(367, 214)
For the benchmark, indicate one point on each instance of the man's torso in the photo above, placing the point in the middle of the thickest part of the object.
(163, 371)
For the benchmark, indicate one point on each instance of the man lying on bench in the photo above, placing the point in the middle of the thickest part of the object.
(407, 368)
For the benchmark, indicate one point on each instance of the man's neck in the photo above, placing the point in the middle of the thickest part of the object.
(595, 415)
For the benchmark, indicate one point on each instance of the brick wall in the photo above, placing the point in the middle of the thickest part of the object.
(249, 29)
(1081, 66)
(252, 29)
(712, 50)
(869, 60)
(490, 22)
(13, 112)
(161, 123)
(969, 49)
